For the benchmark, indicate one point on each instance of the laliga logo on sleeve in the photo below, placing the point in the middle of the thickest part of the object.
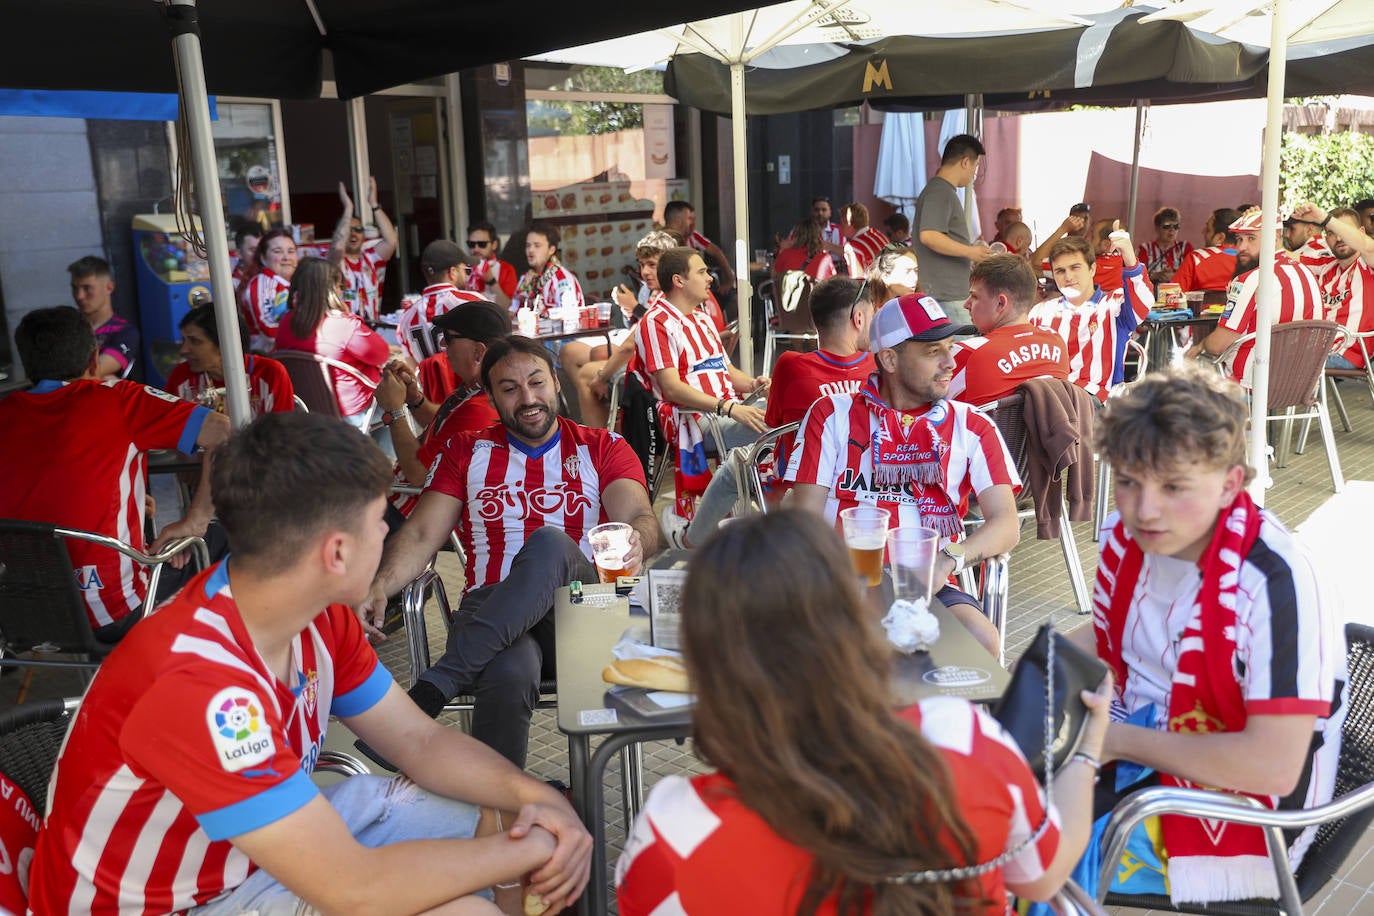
(237, 727)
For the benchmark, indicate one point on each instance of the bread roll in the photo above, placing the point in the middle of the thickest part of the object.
(653, 673)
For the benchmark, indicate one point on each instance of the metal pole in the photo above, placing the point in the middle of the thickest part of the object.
(181, 17)
(1140, 105)
(743, 282)
(359, 162)
(457, 153)
(1268, 305)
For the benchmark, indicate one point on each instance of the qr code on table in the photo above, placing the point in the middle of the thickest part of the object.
(665, 589)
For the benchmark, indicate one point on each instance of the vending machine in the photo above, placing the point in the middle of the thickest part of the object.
(171, 279)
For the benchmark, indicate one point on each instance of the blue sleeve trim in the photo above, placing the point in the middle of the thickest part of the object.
(1135, 271)
(363, 697)
(191, 431)
(267, 807)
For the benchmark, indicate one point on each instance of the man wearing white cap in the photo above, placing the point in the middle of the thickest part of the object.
(1300, 298)
(901, 445)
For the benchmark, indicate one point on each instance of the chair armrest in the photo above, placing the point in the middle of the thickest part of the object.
(147, 559)
(340, 764)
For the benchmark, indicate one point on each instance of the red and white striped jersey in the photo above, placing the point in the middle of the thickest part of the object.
(265, 300)
(834, 449)
(860, 251)
(1348, 296)
(510, 490)
(269, 385)
(1097, 330)
(1157, 258)
(665, 338)
(465, 410)
(698, 242)
(1316, 256)
(991, 367)
(415, 330)
(185, 740)
(1300, 299)
(557, 286)
(505, 277)
(1206, 268)
(363, 279)
(698, 848)
(832, 233)
(74, 455)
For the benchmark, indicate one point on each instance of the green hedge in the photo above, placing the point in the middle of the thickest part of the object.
(1331, 170)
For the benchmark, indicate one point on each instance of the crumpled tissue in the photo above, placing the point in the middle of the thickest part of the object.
(910, 626)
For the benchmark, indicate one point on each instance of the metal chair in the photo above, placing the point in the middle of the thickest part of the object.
(1297, 367)
(1104, 470)
(1344, 820)
(784, 325)
(1365, 375)
(1009, 415)
(41, 608)
(751, 458)
(714, 441)
(429, 585)
(311, 378)
(31, 736)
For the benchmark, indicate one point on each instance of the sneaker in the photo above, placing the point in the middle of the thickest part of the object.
(674, 529)
(393, 620)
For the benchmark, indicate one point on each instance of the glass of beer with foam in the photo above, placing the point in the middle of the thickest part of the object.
(865, 534)
(610, 545)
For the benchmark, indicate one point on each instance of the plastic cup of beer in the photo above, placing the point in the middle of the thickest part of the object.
(911, 553)
(610, 545)
(865, 534)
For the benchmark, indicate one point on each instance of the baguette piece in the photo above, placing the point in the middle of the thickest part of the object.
(653, 673)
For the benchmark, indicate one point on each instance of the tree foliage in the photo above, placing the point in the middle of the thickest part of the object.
(1331, 170)
(584, 118)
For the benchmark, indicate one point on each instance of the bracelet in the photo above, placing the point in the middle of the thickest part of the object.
(418, 401)
(1325, 221)
(720, 405)
(1087, 759)
(730, 410)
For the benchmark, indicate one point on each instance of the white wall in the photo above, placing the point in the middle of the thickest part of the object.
(48, 219)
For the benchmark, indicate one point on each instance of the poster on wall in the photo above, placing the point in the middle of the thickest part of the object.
(600, 224)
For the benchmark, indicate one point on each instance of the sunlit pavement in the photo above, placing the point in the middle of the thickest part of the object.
(1301, 495)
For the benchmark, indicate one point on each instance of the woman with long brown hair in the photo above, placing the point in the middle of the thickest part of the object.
(804, 253)
(319, 323)
(825, 797)
(266, 296)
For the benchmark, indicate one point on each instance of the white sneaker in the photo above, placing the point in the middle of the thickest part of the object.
(674, 529)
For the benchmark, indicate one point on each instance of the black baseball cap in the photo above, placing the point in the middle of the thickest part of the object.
(479, 321)
(441, 254)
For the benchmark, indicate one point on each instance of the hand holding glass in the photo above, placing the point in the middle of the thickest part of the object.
(912, 552)
(865, 533)
(610, 546)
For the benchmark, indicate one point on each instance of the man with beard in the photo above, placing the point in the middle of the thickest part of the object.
(522, 495)
(1347, 285)
(363, 262)
(1300, 298)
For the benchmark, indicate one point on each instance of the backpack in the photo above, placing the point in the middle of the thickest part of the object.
(794, 298)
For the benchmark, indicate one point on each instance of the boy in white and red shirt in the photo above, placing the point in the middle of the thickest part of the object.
(185, 779)
(902, 445)
(363, 262)
(1212, 267)
(1094, 323)
(75, 454)
(445, 268)
(865, 242)
(681, 356)
(1347, 279)
(681, 217)
(1011, 350)
(522, 496)
(1163, 255)
(1300, 299)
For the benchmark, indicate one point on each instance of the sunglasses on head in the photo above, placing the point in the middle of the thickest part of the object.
(858, 297)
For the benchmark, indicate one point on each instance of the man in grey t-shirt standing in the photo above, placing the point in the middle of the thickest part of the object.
(941, 240)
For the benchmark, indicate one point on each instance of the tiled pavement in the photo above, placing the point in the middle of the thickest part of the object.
(1039, 587)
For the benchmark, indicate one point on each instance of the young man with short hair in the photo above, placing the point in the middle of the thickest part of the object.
(185, 778)
(490, 276)
(1163, 255)
(246, 243)
(1094, 323)
(864, 241)
(445, 268)
(92, 289)
(681, 217)
(1348, 281)
(1229, 658)
(363, 262)
(1010, 349)
(901, 444)
(941, 237)
(1212, 266)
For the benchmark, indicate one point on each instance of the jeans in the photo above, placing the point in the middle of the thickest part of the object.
(378, 812)
(1337, 361)
(715, 504)
(502, 636)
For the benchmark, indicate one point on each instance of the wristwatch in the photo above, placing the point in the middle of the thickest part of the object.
(391, 416)
(956, 553)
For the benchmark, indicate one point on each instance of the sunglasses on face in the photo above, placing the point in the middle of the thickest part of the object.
(450, 337)
(474, 243)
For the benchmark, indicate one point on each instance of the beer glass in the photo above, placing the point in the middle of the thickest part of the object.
(912, 552)
(610, 544)
(865, 533)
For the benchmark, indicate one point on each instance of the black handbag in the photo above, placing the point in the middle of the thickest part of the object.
(1021, 711)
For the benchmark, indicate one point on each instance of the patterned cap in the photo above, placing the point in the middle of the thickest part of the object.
(913, 317)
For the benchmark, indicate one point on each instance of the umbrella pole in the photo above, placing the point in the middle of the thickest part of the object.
(1267, 307)
(181, 18)
(743, 281)
(1135, 167)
